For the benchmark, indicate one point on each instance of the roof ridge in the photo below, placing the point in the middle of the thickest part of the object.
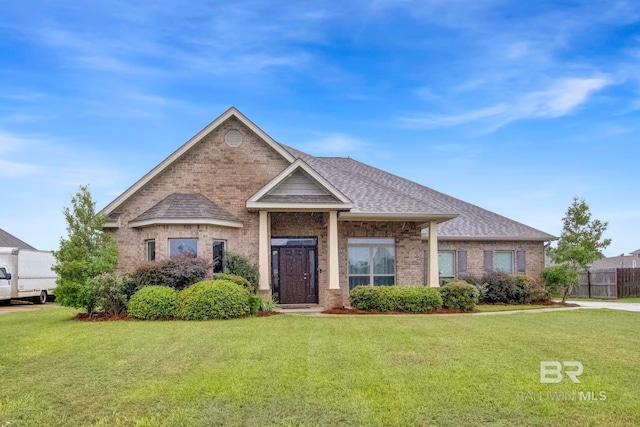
(371, 181)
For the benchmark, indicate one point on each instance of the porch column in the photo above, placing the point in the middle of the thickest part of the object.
(334, 271)
(263, 247)
(433, 279)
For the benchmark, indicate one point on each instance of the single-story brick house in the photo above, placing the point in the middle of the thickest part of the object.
(317, 226)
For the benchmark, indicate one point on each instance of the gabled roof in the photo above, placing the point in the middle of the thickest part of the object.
(359, 191)
(309, 191)
(179, 208)
(372, 189)
(231, 112)
(10, 241)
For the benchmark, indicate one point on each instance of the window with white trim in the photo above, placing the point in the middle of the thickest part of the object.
(503, 261)
(446, 264)
(151, 249)
(372, 261)
(183, 246)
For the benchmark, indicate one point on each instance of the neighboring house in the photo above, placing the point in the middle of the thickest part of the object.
(621, 261)
(317, 226)
(9, 241)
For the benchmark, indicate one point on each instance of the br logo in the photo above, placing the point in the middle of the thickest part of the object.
(551, 371)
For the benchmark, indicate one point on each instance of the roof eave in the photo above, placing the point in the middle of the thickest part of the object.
(494, 238)
(185, 221)
(395, 217)
(297, 207)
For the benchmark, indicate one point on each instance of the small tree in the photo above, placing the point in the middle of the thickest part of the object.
(560, 279)
(581, 240)
(84, 254)
(580, 244)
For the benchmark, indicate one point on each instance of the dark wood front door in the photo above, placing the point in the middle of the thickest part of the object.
(298, 276)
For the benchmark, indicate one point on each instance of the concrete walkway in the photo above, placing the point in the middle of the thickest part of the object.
(317, 311)
(626, 306)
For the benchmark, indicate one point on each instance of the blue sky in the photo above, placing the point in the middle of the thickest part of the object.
(513, 106)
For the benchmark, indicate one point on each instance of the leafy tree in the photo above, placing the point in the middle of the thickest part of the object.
(581, 241)
(580, 244)
(560, 279)
(86, 253)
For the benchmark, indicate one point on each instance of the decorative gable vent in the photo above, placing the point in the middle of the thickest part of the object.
(233, 138)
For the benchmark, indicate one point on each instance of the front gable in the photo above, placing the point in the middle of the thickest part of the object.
(230, 138)
(299, 187)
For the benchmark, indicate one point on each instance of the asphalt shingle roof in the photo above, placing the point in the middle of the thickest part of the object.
(10, 241)
(183, 206)
(376, 191)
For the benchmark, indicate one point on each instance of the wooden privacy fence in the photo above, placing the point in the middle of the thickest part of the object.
(611, 283)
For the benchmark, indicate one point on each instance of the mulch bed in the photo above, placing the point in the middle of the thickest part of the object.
(344, 310)
(102, 317)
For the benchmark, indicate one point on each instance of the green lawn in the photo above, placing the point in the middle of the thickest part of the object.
(327, 370)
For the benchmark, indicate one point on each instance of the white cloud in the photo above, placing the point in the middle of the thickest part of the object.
(559, 99)
(10, 169)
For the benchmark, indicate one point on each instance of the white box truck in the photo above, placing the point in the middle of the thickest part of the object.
(26, 275)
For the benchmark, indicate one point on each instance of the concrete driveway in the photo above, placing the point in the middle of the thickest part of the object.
(17, 307)
(626, 306)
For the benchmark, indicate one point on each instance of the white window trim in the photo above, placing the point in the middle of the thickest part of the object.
(352, 242)
(455, 262)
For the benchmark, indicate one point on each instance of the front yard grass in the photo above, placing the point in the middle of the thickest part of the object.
(328, 370)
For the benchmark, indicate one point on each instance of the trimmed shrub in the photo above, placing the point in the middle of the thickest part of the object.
(417, 299)
(154, 302)
(459, 295)
(499, 287)
(177, 272)
(213, 299)
(108, 292)
(532, 290)
(242, 266)
(255, 302)
(238, 280)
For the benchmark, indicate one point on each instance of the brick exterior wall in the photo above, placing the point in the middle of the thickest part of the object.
(409, 259)
(228, 176)
(475, 254)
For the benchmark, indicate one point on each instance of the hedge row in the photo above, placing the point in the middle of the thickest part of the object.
(499, 287)
(209, 299)
(417, 299)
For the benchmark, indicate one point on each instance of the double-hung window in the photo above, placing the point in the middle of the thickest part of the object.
(372, 261)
